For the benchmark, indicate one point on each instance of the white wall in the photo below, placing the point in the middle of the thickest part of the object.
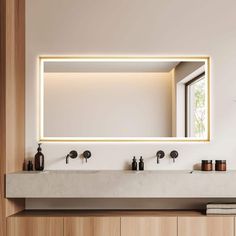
(137, 27)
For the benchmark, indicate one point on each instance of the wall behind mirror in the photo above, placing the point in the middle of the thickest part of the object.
(120, 99)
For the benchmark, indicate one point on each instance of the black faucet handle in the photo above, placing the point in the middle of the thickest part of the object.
(174, 154)
(73, 154)
(160, 154)
(87, 154)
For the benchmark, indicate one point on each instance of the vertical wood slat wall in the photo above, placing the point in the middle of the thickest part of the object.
(12, 99)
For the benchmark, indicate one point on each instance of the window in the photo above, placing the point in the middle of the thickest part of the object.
(195, 105)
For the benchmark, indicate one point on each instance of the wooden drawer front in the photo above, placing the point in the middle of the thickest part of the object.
(149, 226)
(206, 226)
(92, 226)
(35, 226)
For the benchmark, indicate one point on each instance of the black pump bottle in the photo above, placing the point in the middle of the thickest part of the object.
(134, 164)
(141, 163)
(39, 159)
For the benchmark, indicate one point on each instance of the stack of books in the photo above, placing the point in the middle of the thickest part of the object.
(221, 209)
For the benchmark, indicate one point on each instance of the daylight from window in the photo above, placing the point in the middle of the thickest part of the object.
(197, 109)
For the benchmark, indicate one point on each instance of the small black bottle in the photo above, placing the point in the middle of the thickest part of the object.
(30, 166)
(39, 159)
(141, 163)
(134, 164)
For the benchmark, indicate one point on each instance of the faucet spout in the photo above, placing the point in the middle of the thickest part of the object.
(73, 154)
(67, 159)
(160, 154)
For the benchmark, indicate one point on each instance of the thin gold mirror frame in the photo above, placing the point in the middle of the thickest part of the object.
(43, 59)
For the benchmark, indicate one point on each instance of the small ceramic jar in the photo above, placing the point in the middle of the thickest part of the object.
(220, 165)
(207, 165)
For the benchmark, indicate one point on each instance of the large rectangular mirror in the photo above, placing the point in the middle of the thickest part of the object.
(124, 99)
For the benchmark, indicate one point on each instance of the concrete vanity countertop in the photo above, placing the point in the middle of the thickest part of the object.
(121, 184)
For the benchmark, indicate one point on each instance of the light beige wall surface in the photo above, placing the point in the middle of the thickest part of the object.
(107, 105)
(137, 27)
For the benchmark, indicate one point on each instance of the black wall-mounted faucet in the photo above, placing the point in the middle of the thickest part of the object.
(174, 154)
(87, 154)
(160, 154)
(73, 154)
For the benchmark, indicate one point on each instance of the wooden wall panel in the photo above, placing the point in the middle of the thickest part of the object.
(15, 84)
(12, 114)
(2, 116)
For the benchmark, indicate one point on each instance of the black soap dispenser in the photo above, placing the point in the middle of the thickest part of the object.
(39, 159)
(141, 163)
(134, 164)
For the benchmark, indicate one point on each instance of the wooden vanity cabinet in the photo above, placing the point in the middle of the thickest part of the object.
(149, 226)
(179, 225)
(63, 226)
(206, 226)
(120, 224)
(92, 226)
(35, 226)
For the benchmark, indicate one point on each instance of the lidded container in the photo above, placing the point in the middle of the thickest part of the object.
(207, 165)
(220, 165)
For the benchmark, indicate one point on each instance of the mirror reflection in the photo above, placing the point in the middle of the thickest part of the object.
(124, 99)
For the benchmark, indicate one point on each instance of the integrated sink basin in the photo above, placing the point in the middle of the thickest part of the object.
(68, 172)
(120, 184)
(111, 171)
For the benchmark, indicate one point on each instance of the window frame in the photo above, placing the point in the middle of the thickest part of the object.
(187, 84)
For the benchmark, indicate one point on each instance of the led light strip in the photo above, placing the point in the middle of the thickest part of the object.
(43, 59)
